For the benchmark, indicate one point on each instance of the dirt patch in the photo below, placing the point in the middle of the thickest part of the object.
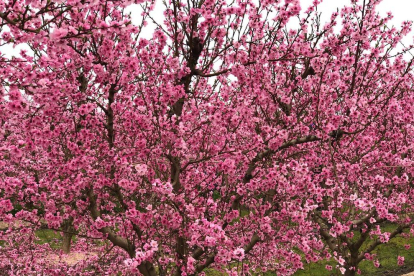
(402, 271)
(71, 258)
(15, 224)
(3, 225)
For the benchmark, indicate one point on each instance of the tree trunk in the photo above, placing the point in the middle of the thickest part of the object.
(350, 272)
(68, 229)
(352, 261)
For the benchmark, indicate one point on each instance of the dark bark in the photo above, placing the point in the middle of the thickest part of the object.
(68, 230)
(349, 272)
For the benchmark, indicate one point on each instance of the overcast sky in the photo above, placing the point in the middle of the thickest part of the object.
(401, 9)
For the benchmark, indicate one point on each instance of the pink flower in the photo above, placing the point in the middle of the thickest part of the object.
(86, 108)
(99, 223)
(127, 184)
(240, 191)
(385, 237)
(341, 261)
(210, 241)
(238, 254)
(128, 262)
(190, 265)
(14, 94)
(228, 165)
(400, 260)
(15, 151)
(142, 169)
(154, 245)
(58, 33)
(43, 82)
(6, 205)
(368, 256)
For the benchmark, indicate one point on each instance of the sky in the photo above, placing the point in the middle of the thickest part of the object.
(401, 9)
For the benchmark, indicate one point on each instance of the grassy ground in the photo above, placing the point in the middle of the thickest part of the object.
(53, 238)
(387, 255)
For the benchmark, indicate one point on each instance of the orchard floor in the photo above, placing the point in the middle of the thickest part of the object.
(404, 271)
(71, 258)
(386, 254)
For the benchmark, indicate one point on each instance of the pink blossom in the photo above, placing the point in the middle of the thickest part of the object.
(190, 265)
(59, 33)
(141, 169)
(220, 138)
(400, 260)
(99, 223)
(238, 254)
(6, 205)
(341, 261)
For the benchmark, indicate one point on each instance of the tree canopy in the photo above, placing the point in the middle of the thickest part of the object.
(227, 140)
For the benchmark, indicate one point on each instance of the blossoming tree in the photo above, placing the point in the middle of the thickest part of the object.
(224, 141)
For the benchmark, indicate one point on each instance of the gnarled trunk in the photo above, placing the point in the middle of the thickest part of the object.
(350, 272)
(68, 229)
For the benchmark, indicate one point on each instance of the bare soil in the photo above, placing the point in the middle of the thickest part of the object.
(71, 258)
(402, 271)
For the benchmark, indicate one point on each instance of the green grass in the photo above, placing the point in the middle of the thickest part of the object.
(53, 238)
(213, 272)
(386, 254)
